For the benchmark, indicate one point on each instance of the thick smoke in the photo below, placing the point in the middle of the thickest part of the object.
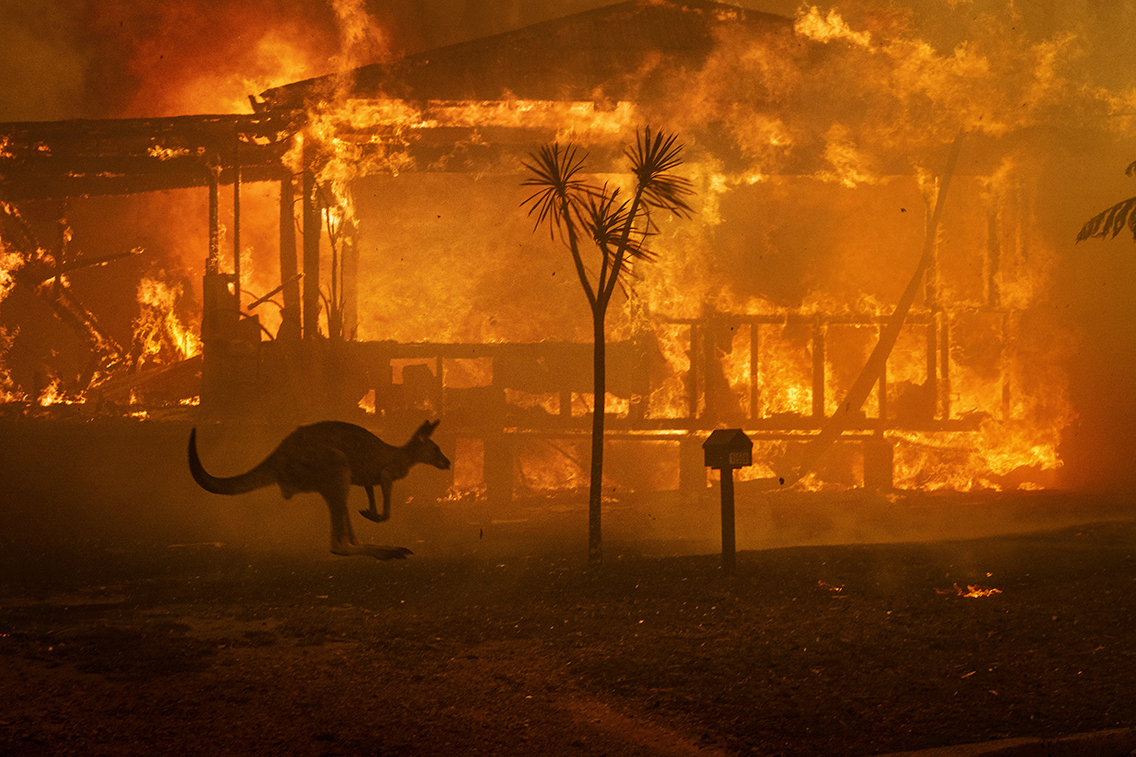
(122, 58)
(129, 58)
(136, 59)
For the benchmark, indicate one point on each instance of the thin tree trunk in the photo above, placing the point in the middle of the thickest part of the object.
(599, 395)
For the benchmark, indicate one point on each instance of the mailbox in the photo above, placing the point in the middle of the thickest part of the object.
(728, 448)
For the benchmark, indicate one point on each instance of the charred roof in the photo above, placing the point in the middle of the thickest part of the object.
(612, 53)
(44, 159)
(619, 52)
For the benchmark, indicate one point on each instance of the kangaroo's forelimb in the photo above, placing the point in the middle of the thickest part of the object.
(336, 487)
(386, 484)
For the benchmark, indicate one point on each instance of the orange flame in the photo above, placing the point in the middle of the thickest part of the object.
(159, 334)
(54, 394)
(1013, 391)
(812, 25)
(973, 591)
(10, 262)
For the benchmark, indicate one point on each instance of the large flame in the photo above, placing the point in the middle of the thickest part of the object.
(160, 335)
(917, 96)
(804, 237)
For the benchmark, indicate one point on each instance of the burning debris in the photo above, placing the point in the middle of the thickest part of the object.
(161, 337)
(972, 591)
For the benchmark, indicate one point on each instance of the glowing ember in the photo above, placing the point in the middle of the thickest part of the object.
(10, 262)
(367, 403)
(973, 591)
(167, 153)
(53, 394)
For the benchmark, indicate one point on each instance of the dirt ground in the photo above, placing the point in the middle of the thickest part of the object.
(208, 648)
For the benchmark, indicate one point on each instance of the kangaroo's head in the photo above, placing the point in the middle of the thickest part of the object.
(422, 449)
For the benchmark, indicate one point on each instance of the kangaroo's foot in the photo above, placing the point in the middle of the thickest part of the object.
(389, 553)
(379, 552)
(374, 516)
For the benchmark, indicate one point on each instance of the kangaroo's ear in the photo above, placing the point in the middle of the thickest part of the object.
(426, 429)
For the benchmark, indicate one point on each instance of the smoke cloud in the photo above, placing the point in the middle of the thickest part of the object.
(126, 58)
(135, 58)
(131, 58)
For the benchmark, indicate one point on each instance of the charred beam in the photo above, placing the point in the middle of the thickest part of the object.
(862, 386)
(311, 222)
(289, 273)
(237, 217)
(36, 275)
(818, 369)
(77, 264)
(754, 369)
(945, 368)
(213, 261)
(349, 278)
(125, 156)
(67, 308)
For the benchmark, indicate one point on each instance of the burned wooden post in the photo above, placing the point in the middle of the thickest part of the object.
(213, 176)
(349, 280)
(221, 310)
(311, 224)
(289, 271)
(726, 449)
(237, 215)
(818, 368)
(853, 400)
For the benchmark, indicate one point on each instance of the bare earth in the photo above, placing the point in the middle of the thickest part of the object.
(208, 649)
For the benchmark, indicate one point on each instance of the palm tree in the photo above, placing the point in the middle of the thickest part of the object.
(618, 225)
(1112, 221)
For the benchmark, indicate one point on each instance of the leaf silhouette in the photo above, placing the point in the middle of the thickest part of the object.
(560, 191)
(1112, 221)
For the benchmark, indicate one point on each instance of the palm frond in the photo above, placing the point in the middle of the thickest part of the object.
(1112, 221)
(606, 218)
(559, 189)
(653, 158)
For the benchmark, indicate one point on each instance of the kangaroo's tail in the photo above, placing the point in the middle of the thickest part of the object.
(258, 477)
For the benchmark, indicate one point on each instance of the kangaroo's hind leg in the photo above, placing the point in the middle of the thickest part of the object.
(335, 489)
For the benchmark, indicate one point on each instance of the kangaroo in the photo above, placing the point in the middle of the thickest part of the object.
(328, 457)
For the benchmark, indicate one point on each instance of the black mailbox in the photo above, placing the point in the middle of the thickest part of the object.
(728, 448)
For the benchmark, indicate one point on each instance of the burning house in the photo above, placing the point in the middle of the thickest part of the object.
(359, 249)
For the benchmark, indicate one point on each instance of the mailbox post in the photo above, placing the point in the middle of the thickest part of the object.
(726, 449)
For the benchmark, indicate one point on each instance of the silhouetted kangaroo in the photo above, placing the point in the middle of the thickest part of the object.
(328, 457)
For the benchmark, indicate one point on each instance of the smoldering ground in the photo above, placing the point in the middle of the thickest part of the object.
(138, 615)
